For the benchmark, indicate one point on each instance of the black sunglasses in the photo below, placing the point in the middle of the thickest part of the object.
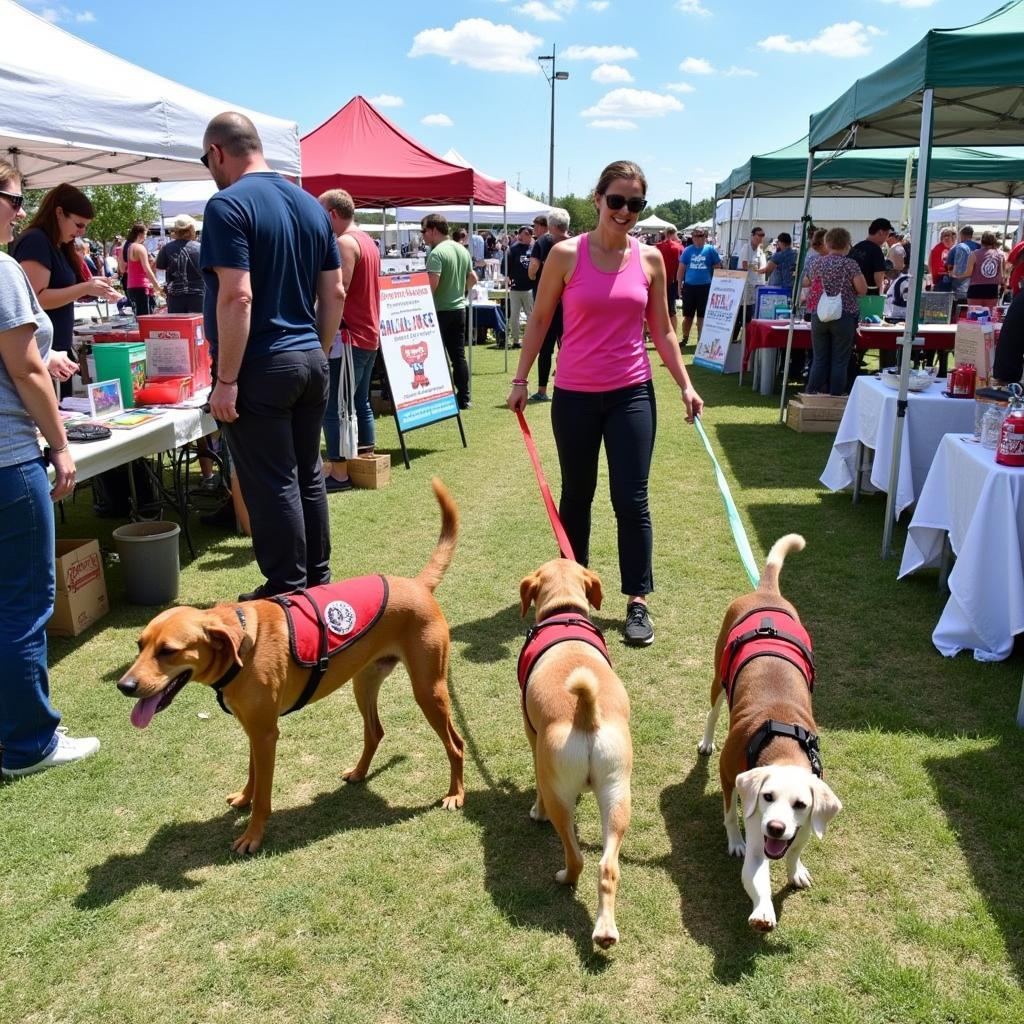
(15, 200)
(205, 158)
(617, 202)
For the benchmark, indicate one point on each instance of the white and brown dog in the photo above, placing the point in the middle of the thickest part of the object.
(576, 716)
(765, 671)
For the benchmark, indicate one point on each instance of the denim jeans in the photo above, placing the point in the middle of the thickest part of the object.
(832, 343)
(362, 361)
(28, 722)
(625, 420)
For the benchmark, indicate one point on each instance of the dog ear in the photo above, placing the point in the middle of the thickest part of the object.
(528, 590)
(826, 806)
(592, 584)
(749, 786)
(222, 639)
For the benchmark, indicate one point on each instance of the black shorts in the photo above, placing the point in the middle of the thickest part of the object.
(673, 296)
(695, 299)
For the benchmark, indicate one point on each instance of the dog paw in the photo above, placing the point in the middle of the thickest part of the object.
(453, 801)
(705, 748)
(605, 936)
(762, 920)
(249, 842)
(239, 800)
(800, 877)
(562, 877)
(537, 812)
(737, 848)
(353, 775)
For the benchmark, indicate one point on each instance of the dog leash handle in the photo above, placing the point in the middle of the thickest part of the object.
(549, 502)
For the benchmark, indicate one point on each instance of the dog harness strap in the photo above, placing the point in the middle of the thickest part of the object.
(778, 634)
(808, 742)
(218, 686)
(318, 670)
(546, 634)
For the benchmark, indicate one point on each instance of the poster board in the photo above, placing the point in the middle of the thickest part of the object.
(715, 348)
(414, 355)
(767, 299)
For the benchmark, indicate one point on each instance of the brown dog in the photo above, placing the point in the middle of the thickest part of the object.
(576, 715)
(771, 754)
(249, 646)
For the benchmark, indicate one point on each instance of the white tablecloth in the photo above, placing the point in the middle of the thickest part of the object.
(980, 504)
(870, 418)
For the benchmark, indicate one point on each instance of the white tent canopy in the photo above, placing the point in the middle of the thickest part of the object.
(71, 112)
(654, 223)
(188, 197)
(518, 208)
(979, 211)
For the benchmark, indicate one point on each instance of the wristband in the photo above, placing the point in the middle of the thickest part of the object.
(59, 451)
(520, 382)
(230, 383)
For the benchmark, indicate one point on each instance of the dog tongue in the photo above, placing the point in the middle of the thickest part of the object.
(775, 848)
(144, 710)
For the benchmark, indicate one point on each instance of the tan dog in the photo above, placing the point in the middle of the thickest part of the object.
(576, 715)
(772, 744)
(189, 643)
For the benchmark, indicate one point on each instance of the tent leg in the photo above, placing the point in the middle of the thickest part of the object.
(1006, 223)
(469, 306)
(805, 222)
(743, 331)
(507, 304)
(913, 311)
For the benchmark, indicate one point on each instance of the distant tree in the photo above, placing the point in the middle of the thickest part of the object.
(581, 210)
(118, 207)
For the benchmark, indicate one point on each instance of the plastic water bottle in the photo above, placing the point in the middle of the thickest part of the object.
(991, 426)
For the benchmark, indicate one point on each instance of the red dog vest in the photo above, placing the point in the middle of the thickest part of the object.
(556, 630)
(775, 633)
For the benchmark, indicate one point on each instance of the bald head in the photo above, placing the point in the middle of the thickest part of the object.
(234, 133)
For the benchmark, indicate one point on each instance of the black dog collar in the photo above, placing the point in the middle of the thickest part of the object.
(233, 671)
(808, 742)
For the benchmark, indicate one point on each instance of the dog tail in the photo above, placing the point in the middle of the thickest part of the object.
(780, 549)
(582, 684)
(433, 572)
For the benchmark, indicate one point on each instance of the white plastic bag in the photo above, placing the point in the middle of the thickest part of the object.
(349, 424)
(830, 307)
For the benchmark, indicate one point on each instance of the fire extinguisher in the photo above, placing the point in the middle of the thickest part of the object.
(1011, 437)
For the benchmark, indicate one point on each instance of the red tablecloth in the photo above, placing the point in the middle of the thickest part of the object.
(772, 334)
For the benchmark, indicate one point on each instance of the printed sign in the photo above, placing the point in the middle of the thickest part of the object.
(414, 356)
(715, 342)
(767, 299)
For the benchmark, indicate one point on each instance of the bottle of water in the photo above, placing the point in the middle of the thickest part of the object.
(991, 425)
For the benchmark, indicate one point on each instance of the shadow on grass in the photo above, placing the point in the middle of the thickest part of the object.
(713, 903)
(492, 638)
(521, 857)
(797, 460)
(178, 848)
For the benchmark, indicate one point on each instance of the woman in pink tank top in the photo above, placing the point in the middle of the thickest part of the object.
(609, 286)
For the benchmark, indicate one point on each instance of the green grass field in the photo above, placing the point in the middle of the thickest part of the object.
(121, 902)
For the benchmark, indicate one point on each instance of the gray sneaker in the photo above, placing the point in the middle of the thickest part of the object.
(638, 632)
(539, 396)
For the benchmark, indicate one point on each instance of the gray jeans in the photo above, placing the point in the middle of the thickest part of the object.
(832, 343)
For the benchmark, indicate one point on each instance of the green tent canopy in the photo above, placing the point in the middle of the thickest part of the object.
(875, 172)
(977, 73)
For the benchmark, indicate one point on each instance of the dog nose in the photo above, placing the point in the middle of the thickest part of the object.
(128, 685)
(776, 829)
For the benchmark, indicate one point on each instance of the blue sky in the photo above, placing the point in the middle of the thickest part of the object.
(688, 88)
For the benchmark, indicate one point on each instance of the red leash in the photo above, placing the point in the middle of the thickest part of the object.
(549, 503)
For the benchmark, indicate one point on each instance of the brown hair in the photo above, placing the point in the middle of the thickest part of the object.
(436, 221)
(988, 239)
(618, 171)
(75, 203)
(135, 232)
(8, 174)
(340, 201)
(818, 238)
(838, 239)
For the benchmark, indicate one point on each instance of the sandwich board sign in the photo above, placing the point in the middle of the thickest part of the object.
(715, 348)
(414, 356)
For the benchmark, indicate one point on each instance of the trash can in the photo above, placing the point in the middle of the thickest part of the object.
(149, 561)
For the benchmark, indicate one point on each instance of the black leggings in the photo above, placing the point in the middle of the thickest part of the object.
(547, 350)
(626, 420)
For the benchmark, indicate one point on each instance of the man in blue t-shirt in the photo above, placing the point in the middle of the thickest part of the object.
(956, 260)
(781, 266)
(274, 299)
(697, 263)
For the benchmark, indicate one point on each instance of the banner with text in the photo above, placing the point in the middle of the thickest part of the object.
(414, 357)
(715, 342)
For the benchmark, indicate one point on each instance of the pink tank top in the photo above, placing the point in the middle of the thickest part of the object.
(603, 334)
(988, 267)
(137, 275)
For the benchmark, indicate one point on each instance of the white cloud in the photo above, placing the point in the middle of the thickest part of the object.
(735, 72)
(479, 43)
(437, 120)
(60, 12)
(692, 7)
(608, 73)
(679, 87)
(697, 66)
(538, 11)
(600, 54)
(616, 124)
(385, 100)
(599, 5)
(841, 40)
(565, 6)
(629, 103)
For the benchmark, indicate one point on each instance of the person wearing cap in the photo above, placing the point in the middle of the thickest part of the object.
(520, 287)
(179, 260)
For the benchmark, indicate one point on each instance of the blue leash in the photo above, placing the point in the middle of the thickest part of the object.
(739, 535)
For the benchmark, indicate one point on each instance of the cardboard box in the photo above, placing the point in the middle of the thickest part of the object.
(821, 415)
(370, 471)
(81, 588)
(123, 361)
(176, 347)
(975, 343)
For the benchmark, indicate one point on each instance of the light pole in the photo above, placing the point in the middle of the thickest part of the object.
(690, 183)
(555, 76)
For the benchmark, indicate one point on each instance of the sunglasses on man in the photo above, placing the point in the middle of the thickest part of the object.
(205, 158)
(15, 200)
(616, 202)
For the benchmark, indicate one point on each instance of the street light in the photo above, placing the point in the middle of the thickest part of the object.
(555, 76)
(690, 183)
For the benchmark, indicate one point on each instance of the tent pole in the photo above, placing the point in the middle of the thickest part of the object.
(743, 329)
(728, 245)
(798, 280)
(1006, 223)
(469, 308)
(913, 310)
(507, 303)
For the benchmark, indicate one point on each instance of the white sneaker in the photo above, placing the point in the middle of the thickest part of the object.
(68, 749)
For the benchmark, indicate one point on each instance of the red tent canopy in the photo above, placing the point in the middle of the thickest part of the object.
(362, 152)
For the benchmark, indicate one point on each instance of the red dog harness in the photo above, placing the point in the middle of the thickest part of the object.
(322, 622)
(555, 630)
(777, 633)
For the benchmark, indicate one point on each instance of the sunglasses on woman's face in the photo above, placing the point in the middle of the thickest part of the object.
(15, 200)
(616, 202)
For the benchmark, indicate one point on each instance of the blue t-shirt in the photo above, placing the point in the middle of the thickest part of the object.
(785, 268)
(699, 263)
(282, 236)
(958, 256)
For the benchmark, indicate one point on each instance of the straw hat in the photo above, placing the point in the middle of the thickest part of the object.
(183, 222)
